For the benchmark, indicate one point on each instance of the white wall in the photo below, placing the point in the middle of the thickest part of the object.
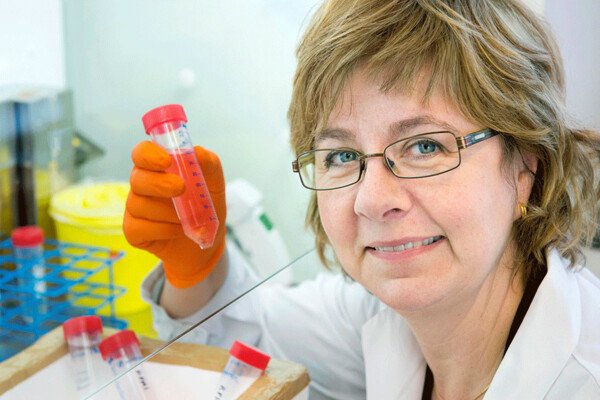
(576, 26)
(31, 43)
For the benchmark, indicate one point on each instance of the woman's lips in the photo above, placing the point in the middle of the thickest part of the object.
(404, 250)
(406, 245)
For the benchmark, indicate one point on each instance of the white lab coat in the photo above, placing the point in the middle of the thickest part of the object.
(355, 347)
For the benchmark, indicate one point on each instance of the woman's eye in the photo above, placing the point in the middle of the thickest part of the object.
(424, 147)
(339, 157)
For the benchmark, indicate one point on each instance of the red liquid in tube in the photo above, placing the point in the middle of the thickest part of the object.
(166, 125)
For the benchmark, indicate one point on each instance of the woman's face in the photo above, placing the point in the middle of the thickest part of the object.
(469, 211)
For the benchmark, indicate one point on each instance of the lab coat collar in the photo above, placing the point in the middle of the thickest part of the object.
(395, 366)
(545, 340)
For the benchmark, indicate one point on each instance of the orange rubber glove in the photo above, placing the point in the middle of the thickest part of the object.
(151, 223)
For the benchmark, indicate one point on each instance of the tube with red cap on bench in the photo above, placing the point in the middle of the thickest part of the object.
(244, 362)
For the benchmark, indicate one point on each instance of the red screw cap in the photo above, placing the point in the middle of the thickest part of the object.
(116, 342)
(249, 355)
(27, 236)
(85, 324)
(160, 115)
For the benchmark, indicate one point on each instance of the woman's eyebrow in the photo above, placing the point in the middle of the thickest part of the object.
(397, 128)
(409, 124)
(333, 133)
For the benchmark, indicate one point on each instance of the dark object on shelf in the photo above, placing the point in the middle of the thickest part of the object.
(36, 155)
(85, 149)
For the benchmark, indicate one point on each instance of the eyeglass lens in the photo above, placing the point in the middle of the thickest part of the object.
(414, 157)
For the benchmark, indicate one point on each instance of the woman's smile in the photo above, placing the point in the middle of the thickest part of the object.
(405, 244)
(403, 249)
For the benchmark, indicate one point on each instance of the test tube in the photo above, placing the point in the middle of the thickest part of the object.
(28, 252)
(166, 126)
(83, 335)
(122, 351)
(245, 362)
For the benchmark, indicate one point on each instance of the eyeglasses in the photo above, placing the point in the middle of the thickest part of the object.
(418, 156)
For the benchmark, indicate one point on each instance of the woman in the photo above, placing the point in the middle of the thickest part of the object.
(451, 187)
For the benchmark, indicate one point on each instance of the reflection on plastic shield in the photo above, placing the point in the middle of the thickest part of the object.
(191, 364)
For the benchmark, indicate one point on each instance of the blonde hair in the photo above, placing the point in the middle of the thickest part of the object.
(493, 59)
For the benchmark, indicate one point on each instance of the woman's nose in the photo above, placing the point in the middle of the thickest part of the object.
(380, 193)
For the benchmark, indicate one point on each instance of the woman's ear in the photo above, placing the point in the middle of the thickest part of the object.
(526, 176)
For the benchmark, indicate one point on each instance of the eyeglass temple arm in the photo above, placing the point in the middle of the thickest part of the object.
(468, 140)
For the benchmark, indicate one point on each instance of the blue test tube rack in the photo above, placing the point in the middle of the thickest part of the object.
(26, 313)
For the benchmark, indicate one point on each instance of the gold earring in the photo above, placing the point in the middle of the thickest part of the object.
(523, 209)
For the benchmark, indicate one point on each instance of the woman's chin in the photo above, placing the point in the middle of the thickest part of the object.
(406, 296)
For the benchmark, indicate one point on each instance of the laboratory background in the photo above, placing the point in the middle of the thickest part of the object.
(76, 76)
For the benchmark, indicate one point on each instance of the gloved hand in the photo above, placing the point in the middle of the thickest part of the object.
(151, 223)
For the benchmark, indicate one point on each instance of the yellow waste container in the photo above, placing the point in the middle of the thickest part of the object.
(92, 215)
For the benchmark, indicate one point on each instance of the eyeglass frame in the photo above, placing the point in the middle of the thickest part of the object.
(462, 143)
